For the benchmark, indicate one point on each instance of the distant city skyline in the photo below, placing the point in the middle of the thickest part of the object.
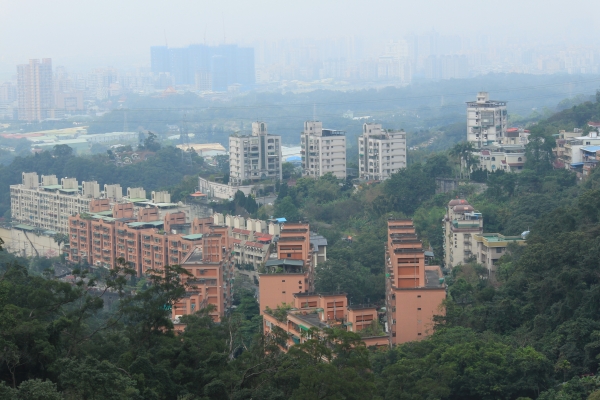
(88, 35)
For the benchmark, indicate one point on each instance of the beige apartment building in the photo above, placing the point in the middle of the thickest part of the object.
(491, 246)
(49, 204)
(508, 158)
(254, 157)
(323, 151)
(381, 152)
(461, 223)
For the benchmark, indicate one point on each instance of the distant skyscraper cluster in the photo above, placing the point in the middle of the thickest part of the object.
(205, 67)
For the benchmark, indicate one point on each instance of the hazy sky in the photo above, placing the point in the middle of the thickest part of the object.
(120, 32)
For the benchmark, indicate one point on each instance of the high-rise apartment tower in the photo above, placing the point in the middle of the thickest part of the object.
(380, 152)
(486, 120)
(323, 151)
(254, 157)
(35, 92)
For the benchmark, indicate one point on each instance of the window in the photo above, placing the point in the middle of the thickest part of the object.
(283, 280)
(493, 158)
(419, 309)
(419, 295)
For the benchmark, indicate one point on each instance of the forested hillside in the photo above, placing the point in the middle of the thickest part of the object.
(534, 332)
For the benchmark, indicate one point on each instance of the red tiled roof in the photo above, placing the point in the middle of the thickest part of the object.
(485, 152)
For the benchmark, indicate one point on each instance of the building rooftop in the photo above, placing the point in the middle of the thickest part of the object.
(194, 257)
(284, 261)
(497, 237)
(195, 236)
(148, 224)
(591, 149)
(432, 279)
(311, 319)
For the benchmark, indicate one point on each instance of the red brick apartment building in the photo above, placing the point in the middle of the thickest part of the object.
(145, 242)
(414, 291)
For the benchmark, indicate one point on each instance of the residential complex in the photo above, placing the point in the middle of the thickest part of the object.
(289, 268)
(381, 152)
(414, 291)
(574, 151)
(464, 240)
(255, 157)
(461, 223)
(317, 311)
(508, 158)
(49, 204)
(323, 151)
(211, 279)
(35, 93)
(486, 120)
(491, 246)
(287, 280)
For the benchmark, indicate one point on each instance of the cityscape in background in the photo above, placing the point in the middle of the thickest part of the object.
(286, 65)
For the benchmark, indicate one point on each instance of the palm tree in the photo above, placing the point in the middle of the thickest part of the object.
(463, 152)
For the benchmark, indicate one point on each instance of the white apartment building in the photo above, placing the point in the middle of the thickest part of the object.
(486, 120)
(323, 151)
(461, 223)
(254, 157)
(47, 204)
(380, 152)
(509, 158)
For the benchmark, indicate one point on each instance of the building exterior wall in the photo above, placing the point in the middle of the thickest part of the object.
(210, 278)
(491, 246)
(255, 157)
(380, 152)
(46, 207)
(486, 120)
(276, 289)
(415, 309)
(220, 190)
(323, 151)
(461, 223)
(35, 90)
(506, 160)
(414, 291)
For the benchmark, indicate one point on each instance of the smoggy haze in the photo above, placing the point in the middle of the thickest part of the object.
(90, 33)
